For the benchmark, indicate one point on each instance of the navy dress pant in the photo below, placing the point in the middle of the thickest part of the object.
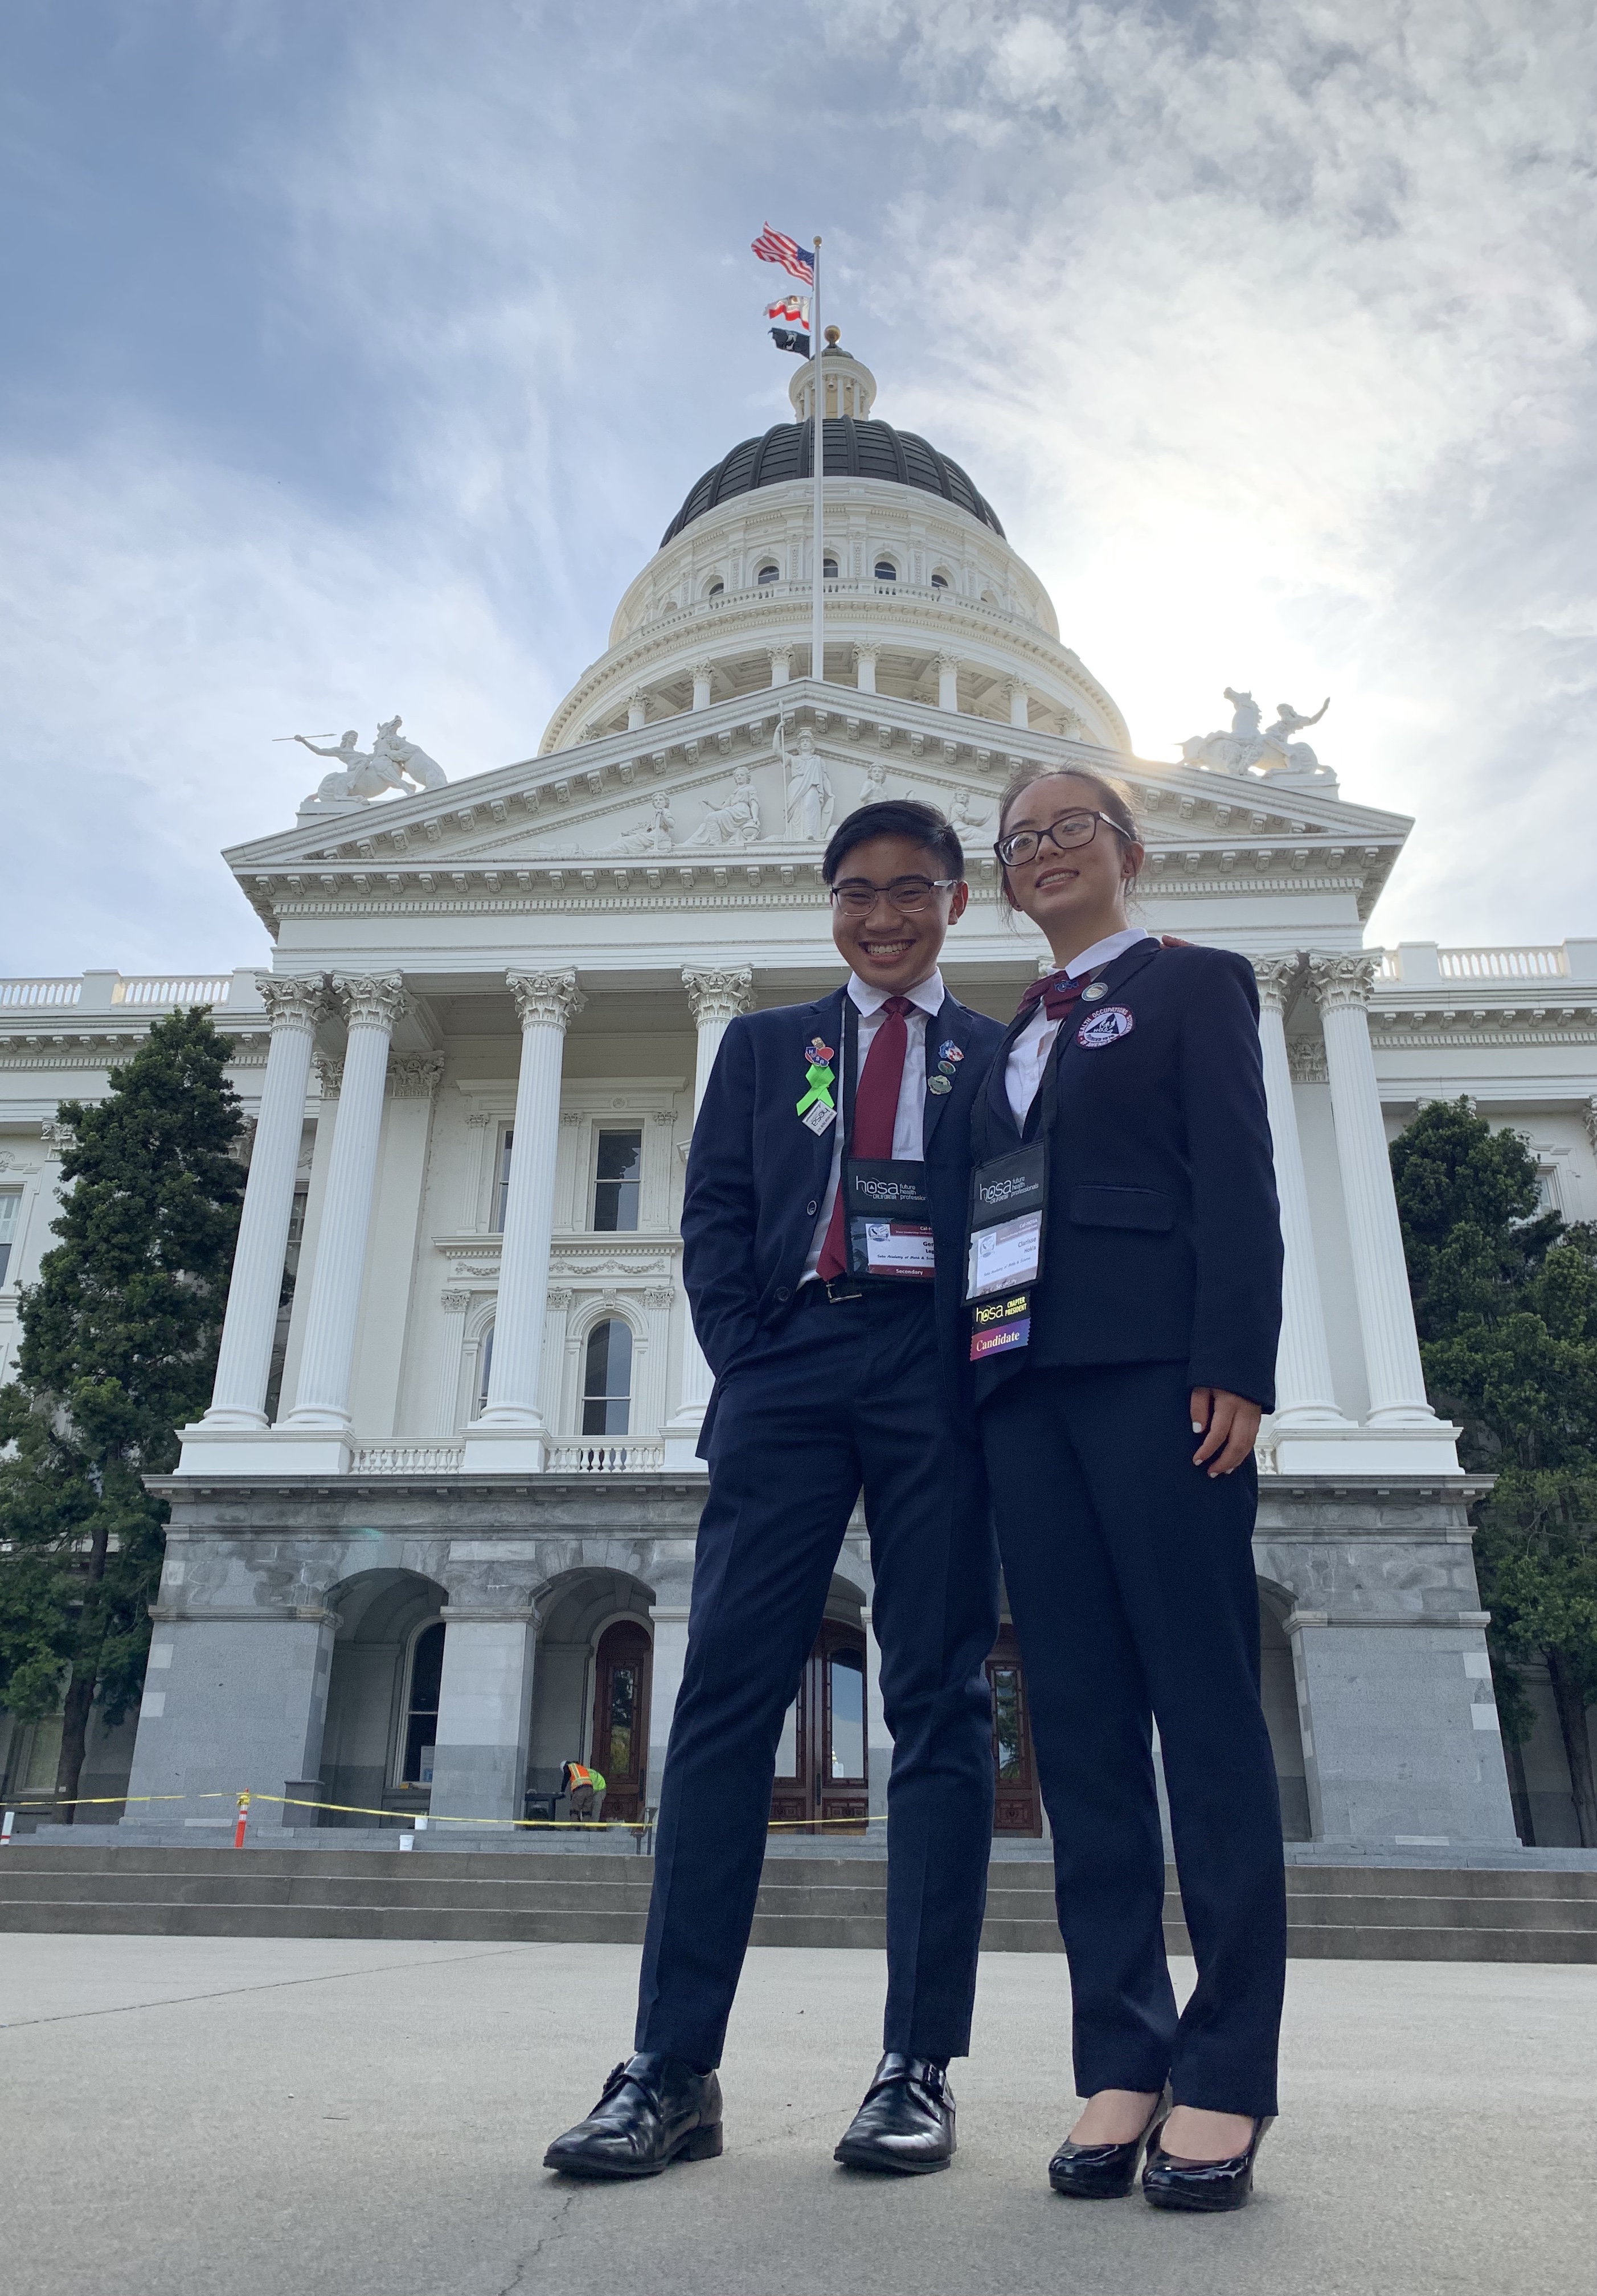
(845, 1396)
(1131, 1580)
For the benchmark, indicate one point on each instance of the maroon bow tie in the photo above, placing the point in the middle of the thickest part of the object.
(1059, 996)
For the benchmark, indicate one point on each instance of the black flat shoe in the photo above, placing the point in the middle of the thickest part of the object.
(1210, 2186)
(906, 2123)
(1102, 2172)
(653, 2111)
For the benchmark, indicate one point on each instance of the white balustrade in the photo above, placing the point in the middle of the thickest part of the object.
(621, 1455)
(408, 1458)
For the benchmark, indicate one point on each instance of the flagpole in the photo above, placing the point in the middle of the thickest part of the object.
(817, 633)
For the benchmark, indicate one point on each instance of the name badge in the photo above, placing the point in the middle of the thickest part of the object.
(1009, 1196)
(888, 1217)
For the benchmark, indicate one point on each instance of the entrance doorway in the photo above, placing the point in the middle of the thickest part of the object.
(619, 1742)
(1019, 1807)
(821, 1761)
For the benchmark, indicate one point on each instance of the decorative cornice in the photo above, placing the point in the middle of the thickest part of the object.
(1345, 983)
(371, 1000)
(545, 1000)
(292, 1005)
(717, 993)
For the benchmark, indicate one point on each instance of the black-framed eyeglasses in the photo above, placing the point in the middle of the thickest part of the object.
(856, 896)
(1069, 831)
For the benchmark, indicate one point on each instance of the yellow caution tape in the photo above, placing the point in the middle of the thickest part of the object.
(362, 1809)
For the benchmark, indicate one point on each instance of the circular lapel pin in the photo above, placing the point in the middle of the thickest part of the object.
(938, 1084)
(1094, 990)
(951, 1052)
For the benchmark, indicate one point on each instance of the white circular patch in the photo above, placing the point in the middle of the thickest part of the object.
(1103, 1028)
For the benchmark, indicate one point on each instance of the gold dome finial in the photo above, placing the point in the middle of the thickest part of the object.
(833, 335)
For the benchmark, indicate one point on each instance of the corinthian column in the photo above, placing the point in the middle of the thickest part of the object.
(716, 996)
(1304, 1394)
(1341, 986)
(511, 1434)
(948, 682)
(244, 1359)
(371, 1005)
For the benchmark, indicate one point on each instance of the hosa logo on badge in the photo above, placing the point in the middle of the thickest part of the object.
(1105, 1028)
(999, 1191)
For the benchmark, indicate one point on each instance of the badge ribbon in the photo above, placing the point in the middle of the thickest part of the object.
(820, 1095)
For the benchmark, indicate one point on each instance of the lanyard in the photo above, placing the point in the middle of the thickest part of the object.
(886, 1211)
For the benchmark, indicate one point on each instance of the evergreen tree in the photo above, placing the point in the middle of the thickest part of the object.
(1506, 1307)
(118, 1346)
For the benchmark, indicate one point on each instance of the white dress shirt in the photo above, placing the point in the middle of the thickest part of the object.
(1028, 1054)
(927, 999)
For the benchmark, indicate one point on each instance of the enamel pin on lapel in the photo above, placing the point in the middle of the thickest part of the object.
(951, 1052)
(939, 1083)
(1094, 991)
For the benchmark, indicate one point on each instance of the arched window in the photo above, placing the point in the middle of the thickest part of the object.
(940, 580)
(484, 1367)
(420, 1705)
(828, 569)
(768, 573)
(607, 1378)
(716, 590)
(886, 571)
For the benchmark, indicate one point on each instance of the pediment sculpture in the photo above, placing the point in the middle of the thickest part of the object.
(1252, 748)
(735, 819)
(360, 775)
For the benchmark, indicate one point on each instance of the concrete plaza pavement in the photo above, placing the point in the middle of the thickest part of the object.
(222, 2117)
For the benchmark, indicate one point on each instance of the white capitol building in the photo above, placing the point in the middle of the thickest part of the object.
(435, 1533)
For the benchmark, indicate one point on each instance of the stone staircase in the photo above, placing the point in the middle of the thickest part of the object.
(1339, 1913)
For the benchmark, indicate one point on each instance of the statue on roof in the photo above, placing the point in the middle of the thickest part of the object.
(363, 775)
(1250, 748)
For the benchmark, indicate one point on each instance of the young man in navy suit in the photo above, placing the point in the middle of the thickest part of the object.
(833, 1336)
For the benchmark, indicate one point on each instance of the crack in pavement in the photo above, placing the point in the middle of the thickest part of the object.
(550, 2230)
(269, 1985)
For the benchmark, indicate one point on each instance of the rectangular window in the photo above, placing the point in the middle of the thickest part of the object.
(607, 1379)
(616, 1181)
(11, 1206)
(501, 1182)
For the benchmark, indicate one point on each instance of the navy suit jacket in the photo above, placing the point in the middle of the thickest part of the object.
(1162, 1231)
(757, 1177)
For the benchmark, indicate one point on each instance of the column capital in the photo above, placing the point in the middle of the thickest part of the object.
(1277, 977)
(946, 661)
(373, 1000)
(866, 653)
(1339, 984)
(548, 1000)
(717, 993)
(290, 1002)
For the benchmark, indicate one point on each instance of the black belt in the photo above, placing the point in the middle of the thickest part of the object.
(830, 1288)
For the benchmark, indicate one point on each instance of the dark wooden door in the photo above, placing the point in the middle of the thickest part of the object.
(822, 1759)
(620, 1744)
(1019, 1806)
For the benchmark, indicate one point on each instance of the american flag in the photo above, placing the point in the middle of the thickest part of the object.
(775, 247)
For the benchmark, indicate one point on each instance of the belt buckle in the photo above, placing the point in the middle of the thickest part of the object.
(834, 1294)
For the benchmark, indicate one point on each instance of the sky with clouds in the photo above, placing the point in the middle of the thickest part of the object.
(359, 355)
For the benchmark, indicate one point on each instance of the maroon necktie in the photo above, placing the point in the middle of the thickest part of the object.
(875, 1113)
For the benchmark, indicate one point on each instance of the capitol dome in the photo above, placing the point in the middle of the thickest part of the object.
(927, 600)
(854, 450)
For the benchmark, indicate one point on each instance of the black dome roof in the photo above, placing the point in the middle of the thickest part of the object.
(854, 450)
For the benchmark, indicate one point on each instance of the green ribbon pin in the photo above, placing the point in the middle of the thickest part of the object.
(820, 1095)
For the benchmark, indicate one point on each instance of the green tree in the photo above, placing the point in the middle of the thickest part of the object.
(1506, 1307)
(120, 1338)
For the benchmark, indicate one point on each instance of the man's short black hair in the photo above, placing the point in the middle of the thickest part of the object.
(895, 816)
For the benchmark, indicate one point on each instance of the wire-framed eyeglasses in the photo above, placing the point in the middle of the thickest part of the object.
(856, 896)
(1070, 831)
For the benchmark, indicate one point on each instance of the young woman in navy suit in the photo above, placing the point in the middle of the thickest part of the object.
(1124, 1270)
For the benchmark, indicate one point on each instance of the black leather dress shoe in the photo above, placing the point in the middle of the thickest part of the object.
(1102, 2172)
(906, 2123)
(1169, 2182)
(653, 2111)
